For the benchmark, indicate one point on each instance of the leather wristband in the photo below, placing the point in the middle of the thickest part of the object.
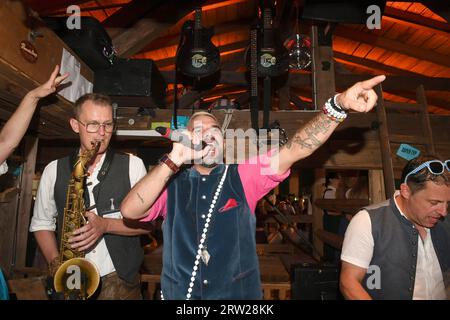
(168, 162)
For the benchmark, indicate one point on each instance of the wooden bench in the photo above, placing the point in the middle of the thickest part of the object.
(275, 280)
(28, 288)
(153, 285)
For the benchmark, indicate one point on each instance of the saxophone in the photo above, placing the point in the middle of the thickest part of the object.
(76, 277)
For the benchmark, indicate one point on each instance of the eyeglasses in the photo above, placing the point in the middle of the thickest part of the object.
(434, 166)
(93, 127)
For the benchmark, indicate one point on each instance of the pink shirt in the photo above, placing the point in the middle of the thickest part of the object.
(255, 180)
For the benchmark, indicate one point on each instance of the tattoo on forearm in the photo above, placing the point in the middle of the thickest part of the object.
(140, 197)
(307, 138)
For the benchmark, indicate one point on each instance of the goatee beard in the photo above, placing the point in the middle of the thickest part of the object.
(208, 165)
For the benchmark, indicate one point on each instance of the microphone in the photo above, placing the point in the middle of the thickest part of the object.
(178, 136)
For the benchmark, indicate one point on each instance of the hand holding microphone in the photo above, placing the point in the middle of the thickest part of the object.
(186, 147)
(179, 136)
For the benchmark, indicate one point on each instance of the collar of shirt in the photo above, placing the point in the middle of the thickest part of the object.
(397, 194)
(218, 170)
(93, 176)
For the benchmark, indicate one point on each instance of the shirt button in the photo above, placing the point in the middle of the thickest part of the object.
(414, 255)
(205, 282)
(93, 251)
(203, 216)
(203, 197)
(203, 179)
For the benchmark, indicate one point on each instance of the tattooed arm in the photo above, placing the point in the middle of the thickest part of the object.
(360, 97)
(305, 141)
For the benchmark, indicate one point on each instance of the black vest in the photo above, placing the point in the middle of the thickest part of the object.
(114, 183)
(395, 251)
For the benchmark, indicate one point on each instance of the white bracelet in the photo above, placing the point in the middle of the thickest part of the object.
(336, 104)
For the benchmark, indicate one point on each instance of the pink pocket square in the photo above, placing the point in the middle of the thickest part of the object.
(231, 203)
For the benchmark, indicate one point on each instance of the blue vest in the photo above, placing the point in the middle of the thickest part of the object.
(233, 269)
(395, 251)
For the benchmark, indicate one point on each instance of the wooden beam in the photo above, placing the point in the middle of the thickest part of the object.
(401, 106)
(317, 213)
(388, 172)
(322, 68)
(343, 81)
(300, 104)
(416, 21)
(219, 31)
(376, 186)
(134, 39)
(26, 198)
(392, 45)
(47, 7)
(330, 238)
(351, 206)
(426, 126)
(396, 83)
(129, 13)
(371, 64)
(441, 8)
(432, 101)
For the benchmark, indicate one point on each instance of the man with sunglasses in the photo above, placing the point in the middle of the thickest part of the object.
(107, 241)
(400, 249)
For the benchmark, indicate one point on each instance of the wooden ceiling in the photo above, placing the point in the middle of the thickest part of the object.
(413, 42)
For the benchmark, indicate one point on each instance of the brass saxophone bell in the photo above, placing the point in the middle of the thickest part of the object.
(77, 278)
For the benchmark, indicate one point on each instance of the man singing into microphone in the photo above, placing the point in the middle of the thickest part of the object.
(209, 227)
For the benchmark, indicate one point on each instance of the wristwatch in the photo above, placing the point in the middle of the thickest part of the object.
(165, 159)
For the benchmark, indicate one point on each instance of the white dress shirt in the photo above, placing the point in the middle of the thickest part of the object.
(358, 250)
(45, 213)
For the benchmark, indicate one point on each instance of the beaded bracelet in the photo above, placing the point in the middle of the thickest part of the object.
(334, 111)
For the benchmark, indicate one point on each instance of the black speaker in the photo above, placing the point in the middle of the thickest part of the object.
(132, 83)
(315, 282)
(91, 43)
(339, 10)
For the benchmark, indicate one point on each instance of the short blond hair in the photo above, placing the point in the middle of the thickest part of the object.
(200, 114)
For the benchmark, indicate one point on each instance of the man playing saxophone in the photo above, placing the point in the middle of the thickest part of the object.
(108, 242)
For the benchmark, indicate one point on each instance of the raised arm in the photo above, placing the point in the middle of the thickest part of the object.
(17, 125)
(360, 98)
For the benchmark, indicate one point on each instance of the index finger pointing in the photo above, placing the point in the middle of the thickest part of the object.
(369, 84)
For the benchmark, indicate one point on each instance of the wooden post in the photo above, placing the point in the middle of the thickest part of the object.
(8, 212)
(376, 186)
(322, 65)
(317, 193)
(23, 219)
(422, 100)
(385, 145)
(294, 180)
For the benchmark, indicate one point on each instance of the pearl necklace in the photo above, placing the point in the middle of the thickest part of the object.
(202, 253)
